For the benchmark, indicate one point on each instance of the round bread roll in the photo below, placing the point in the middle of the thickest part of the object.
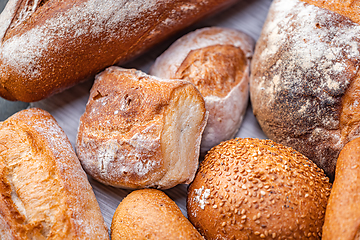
(141, 131)
(342, 218)
(151, 214)
(305, 82)
(217, 61)
(257, 189)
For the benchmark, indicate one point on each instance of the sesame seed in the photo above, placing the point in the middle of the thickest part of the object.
(215, 206)
(223, 224)
(243, 217)
(262, 235)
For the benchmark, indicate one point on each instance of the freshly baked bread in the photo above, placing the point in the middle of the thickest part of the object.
(47, 46)
(217, 61)
(44, 192)
(305, 83)
(257, 189)
(342, 218)
(141, 131)
(150, 214)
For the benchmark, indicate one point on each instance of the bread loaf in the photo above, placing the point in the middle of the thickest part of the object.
(217, 61)
(257, 189)
(342, 219)
(47, 46)
(151, 214)
(141, 131)
(305, 81)
(44, 192)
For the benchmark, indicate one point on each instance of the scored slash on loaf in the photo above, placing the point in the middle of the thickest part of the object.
(44, 192)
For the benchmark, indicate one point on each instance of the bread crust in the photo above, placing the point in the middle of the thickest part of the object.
(342, 219)
(140, 131)
(217, 61)
(150, 214)
(257, 189)
(44, 192)
(304, 80)
(48, 46)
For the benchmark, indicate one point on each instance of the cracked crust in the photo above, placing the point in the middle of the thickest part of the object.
(304, 82)
(140, 131)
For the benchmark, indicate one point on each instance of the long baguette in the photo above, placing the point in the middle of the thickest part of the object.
(48, 46)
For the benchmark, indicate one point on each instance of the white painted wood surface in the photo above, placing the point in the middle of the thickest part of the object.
(67, 107)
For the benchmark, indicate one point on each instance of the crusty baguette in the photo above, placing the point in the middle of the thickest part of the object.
(305, 79)
(44, 192)
(217, 61)
(47, 46)
(342, 218)
(141, 131)
(151, 214)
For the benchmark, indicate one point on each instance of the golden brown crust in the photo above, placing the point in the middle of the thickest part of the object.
(66, 41)
(349, 8)
(257, 189)
(150, 214)
(304, 80)
(140, 131)
(342, 219)
(225, 67)
(44, 192)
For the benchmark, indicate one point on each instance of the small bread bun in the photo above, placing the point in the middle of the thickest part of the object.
(342, 219)
(217, 61)
(257, 189)
(141, 131)
(150, 214)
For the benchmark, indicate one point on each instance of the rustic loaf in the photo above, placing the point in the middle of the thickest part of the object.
(304, 85)
(141, 131)
(342, 218)
(47, 46)
(217, 61)
(151, 214)
(257, 189)
(44, 192)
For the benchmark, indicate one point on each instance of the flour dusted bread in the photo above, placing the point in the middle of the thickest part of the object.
(151, 214)
(305, 81)
(48, 46)
(44, 192)
(257, 189)
(140, 131)
(342, 219)
(217, 61)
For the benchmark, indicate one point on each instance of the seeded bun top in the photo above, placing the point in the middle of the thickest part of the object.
(257, 189)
